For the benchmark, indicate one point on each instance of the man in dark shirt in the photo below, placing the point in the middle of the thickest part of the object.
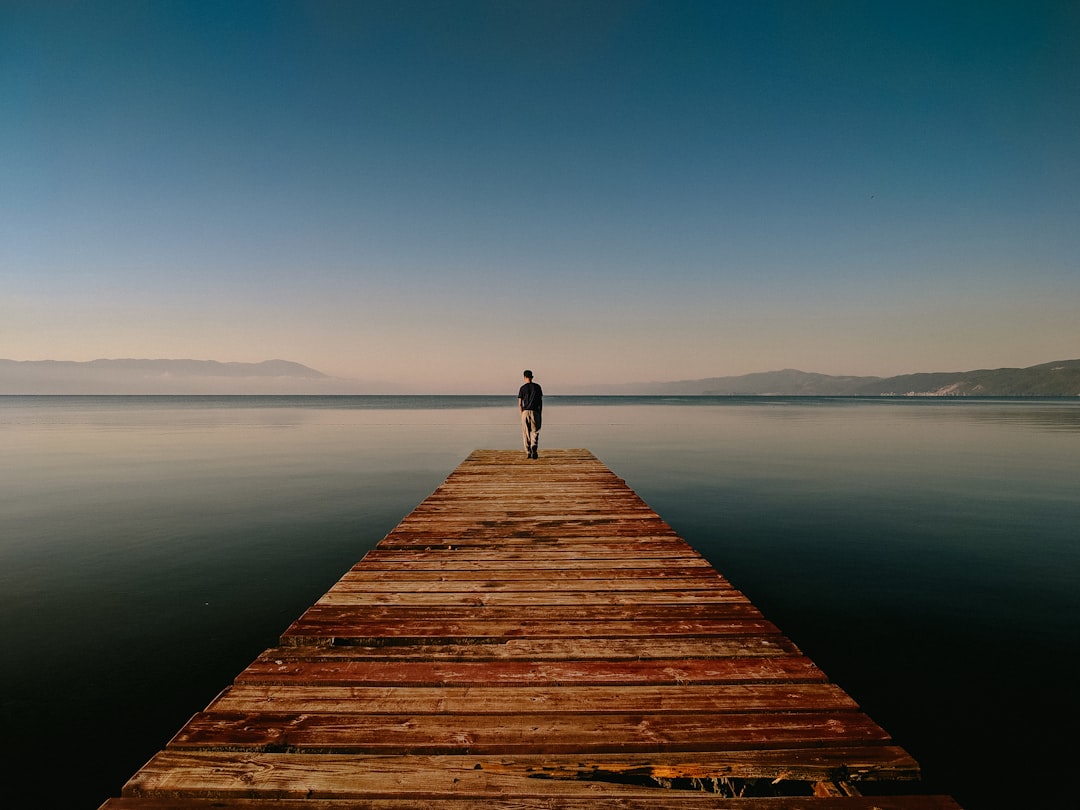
(530, 403)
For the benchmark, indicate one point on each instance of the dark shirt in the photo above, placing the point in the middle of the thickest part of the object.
(531, 396)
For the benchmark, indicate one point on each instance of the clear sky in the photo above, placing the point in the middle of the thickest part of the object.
(439, 194)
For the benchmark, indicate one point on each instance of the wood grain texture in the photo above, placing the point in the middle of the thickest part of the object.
(532, 635)
(670, 800)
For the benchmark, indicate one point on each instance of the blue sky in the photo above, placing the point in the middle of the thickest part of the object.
(435, 195)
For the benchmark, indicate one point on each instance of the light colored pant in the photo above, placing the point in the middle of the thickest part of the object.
(530, 429)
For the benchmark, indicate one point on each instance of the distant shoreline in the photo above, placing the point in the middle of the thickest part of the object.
(574, 399)
(132, 377)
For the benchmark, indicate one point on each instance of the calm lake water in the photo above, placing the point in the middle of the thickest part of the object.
(925, 553)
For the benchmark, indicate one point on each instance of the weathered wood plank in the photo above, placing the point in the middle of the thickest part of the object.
(520, 700)
(214, 774)
(545, 649)
(501, 571)
(528, 599)
(479, 559)
(506, 673)
(524, 584)
(474, 542)
(539, 734)
(311, 629)
(661, 800)
(726, 611)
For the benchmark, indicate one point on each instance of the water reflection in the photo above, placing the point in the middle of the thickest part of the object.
(137, 530)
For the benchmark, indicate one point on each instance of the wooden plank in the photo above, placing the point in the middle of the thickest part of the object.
(311, 629)
(564, 541)
(217, 774)
(521, 700)
(506, 673)
(543, 614)
(557, 649)
(400, 572)
(540, 734)
(473, 559)
(528, 599)
(445, 583)
(662, 800)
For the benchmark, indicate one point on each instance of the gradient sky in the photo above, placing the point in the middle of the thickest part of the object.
(439, 194)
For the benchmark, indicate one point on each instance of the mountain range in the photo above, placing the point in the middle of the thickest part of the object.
(131, 376)
(1057, 379)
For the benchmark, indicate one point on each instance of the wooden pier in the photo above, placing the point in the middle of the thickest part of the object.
(533, 635)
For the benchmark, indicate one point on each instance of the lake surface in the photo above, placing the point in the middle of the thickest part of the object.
(925, 553)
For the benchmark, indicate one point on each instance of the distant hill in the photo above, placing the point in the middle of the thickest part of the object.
(1058, 379)
(131, 376)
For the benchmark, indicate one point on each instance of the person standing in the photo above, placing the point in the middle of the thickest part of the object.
(530, 404)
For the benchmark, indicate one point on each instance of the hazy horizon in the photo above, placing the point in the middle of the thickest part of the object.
(186, 376)
(437, 196)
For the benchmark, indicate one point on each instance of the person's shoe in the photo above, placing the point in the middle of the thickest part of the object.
(533, 454)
